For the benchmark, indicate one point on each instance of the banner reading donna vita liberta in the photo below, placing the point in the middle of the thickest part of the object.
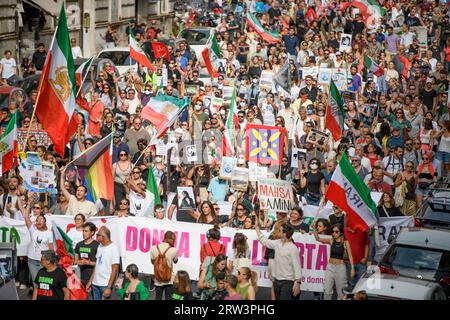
(135, 236)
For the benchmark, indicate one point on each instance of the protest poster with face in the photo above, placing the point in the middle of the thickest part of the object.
(339, 76)
(191, 153)
(346, 43)
(325, 76)
(317, 138)
(186, 199)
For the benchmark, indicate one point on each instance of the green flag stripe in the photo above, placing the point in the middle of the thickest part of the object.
(11, 126)
(63, 42)
(350, 174)
(152, 187)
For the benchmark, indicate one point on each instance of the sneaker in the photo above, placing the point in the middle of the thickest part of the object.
(22, 287)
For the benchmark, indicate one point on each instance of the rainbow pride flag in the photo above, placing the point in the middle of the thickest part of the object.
(95, 168)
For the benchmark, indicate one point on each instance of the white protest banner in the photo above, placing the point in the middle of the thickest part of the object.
(390, 227)
(310, 71)
(227, 167)
(275, 194)
(346, 43)
(310, 212)
(135, 236)
(325, 76)
(12, 228)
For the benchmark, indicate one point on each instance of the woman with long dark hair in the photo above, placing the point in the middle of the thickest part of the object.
(207, 281)
(206, 213)
(132, 288)
(182, 286)
(240, 254)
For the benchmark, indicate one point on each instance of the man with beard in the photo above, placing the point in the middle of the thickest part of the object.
(9, 199)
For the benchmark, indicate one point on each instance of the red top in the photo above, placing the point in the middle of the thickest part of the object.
(358, 241)
(211, 246)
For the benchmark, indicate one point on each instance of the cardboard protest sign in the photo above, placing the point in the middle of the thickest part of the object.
(37, 176)
(216, 104)
(207, 102)
(256, 172)
(310, 71)
(239, 178)
(266, 80)
(227, 92)
(227, 167)
(191, 153)
(191, 90)
(275, 194)
(346, 43)
(317, 138)
(339, 76)
(325, 76)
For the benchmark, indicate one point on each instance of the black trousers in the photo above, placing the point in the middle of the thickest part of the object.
(167, 290)
(283, 290)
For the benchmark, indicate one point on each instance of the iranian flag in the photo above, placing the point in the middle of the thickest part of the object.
(136, 53)
(210, 55)
(334, 117)
(80, 75)
(367, 8)
(56, 106)
(348, 192)
(162, 111)
(152, 187)
(372, 67)
(64, 249)
(9, 145)
(160, 50)
(230, 127)
(267, 35)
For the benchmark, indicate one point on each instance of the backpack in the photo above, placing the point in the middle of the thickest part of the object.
(162, 270)
(209, 259)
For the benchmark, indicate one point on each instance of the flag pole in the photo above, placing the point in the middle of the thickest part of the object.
(86, 150)
(41, 81)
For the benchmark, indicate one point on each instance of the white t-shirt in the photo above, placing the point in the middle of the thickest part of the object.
(75, 235)
(106, 257)
(85, 207)
(39, 242)
(76, 52)
(8, 67)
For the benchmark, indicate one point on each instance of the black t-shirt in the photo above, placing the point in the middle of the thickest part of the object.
(302, 226)
(50, 285)
(358, 27)
(337, 220)
(313, 182)
(312, 94)
(428, 97)
(86, 251)
(391, 212)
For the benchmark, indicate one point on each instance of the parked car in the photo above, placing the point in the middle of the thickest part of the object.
(198, 38)
(394, 287)
(419, 253)
(120, 56)
(435, 212)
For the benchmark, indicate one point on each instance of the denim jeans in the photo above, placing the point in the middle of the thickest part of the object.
(311, 201)
(360, 268)
(97, 292)
(34, 266)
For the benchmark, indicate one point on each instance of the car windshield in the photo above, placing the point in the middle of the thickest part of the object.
(437, 215)
(195, 37)
(119, 58)
(417, 262)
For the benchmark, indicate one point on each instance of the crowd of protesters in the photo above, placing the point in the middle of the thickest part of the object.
(396, 135)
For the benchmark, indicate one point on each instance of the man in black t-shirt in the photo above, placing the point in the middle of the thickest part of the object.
(50, 281)
(86, 251)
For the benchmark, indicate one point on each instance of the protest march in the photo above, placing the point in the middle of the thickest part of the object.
(258, 150)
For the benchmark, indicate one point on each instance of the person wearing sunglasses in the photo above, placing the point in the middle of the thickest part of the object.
(336, 273)
(426, 175)
(60, 207)
(314, 182)
(122, 170)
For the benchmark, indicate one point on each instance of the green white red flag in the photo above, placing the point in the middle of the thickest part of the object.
(348, 192)
(136, 53)
(334, 117)
(267, 35)
(230, 127)
(210, 55)
(9, 145)
(56, 106)
(372, 67)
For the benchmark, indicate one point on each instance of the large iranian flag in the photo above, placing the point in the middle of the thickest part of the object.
(348, 192)
(372, 67)
(230, 127)
(9, 145)
(368, 8)
(56, 106)
(210, 55)
(136, 53)
(267, 35)
(334, 117)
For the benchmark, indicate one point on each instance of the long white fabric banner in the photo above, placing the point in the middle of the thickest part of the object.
(135, 236)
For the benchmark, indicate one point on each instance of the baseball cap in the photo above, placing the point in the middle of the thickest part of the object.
(202, 88)
(429, 80)
(117, 134)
